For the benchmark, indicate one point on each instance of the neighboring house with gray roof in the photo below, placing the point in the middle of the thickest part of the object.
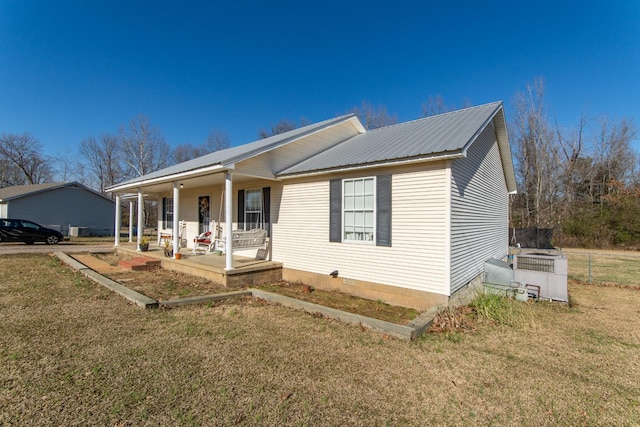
(60, 205)
(407, 214)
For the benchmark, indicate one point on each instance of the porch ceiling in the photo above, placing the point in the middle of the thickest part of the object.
(202, 181)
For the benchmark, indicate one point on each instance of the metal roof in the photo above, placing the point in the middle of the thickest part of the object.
(447, 134)
(443, 136)
(17, 191)
(229, 156)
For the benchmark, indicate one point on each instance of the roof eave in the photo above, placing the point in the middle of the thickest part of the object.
(380, 164)
(497, 117)
(169, 178)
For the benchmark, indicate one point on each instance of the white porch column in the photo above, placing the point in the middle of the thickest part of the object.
(176, 221)
(118, 223)
(130, 221)
(228, 212)
(140, 219)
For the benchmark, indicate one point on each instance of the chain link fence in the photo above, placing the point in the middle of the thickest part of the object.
(602, 267)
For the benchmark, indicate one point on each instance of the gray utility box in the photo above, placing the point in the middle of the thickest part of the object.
(79, 231)
(545, 270)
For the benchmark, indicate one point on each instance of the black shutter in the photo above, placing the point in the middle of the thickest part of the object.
(335, 214)
(383, 210)
(266, 209)
(240, 210)
(164, 212)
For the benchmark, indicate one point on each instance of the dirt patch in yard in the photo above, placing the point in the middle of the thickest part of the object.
(160, 284)
(163, 285)
(344, 302)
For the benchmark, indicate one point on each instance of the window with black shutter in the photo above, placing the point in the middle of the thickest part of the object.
(360, 210)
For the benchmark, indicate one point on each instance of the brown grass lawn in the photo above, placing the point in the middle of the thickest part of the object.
(607, 267)
(72, 353)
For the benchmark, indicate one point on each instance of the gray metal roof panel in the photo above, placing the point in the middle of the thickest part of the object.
(232, 155)
(17, 191)
(446, 133)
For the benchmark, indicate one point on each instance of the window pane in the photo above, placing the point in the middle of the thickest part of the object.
(348, 219)
(253, 200)
(359, 219)
(368, 201)
(359, 202)
(348, 202)
(368, 219)
(348, 188)
(359, 186)
(368, 186)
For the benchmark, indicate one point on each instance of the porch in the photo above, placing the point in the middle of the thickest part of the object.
(246, 271)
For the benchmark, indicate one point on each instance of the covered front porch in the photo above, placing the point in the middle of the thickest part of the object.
(188, 209)
(246, 271)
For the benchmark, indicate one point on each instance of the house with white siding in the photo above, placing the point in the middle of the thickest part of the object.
(407, 214)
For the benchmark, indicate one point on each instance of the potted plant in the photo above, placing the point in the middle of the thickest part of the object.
(168, 250)
(144, 243)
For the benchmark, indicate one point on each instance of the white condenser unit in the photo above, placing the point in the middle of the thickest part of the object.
(548, 271)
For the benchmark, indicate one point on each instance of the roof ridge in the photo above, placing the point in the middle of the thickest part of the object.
(499, 102)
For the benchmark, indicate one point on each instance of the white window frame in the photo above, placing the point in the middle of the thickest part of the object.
(167, 212)
(260, 211)
(363, 209)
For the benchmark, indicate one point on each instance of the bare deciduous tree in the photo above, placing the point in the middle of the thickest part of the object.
(537, 157)
(183, 152)
(282, 126)
(22, 161)
(437, 105)
(144, 147)
(216, 141)
(104, 159)
(372, 117)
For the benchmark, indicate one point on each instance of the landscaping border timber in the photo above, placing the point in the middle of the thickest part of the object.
(131, 295)
(398, 331)
(412, 330)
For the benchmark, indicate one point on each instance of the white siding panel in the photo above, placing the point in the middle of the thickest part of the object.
(479, 210)
(416, 258)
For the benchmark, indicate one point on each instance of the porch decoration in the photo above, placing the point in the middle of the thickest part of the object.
(168, 248)
(144, 243)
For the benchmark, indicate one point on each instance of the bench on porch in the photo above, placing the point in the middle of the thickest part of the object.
(241, 239)
(164, 236)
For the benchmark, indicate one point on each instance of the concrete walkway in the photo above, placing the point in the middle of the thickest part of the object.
(96, 264)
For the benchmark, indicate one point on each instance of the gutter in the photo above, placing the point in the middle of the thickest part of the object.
(458, 155)
(169, 178)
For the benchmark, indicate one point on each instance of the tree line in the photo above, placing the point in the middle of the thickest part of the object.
(583, 181)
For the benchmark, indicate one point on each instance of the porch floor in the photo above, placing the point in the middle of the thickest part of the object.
(247, 271)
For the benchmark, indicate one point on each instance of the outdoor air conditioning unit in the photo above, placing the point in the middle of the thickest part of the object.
(79, 231)
(548, 271)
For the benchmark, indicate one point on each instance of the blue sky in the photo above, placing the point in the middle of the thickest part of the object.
(71, 69)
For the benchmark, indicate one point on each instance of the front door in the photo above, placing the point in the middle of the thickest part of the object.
(204, 213)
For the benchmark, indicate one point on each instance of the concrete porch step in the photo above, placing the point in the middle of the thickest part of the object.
(140, 263)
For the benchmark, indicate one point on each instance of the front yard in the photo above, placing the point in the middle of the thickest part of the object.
(72, 353)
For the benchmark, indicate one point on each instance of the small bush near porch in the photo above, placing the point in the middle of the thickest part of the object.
(71, 352)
